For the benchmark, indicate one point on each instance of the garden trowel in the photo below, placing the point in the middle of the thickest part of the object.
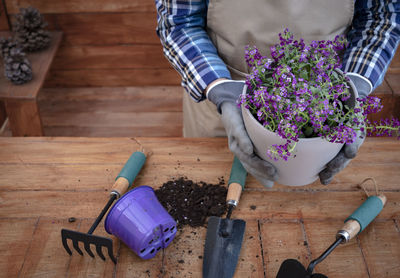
(224, 236)
(354, 225)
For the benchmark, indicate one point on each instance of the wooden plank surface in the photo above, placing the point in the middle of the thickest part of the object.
(113, 78)
(45, 181)
(111, 99)
(3, 114)
(345, 261)
(380, 245)
(281, 241)
(106, 28)
(3, 18)
(42, 258)
(86, 266)
(78, 6)
(110, 57)
(24, 117)
(395, 64)
(128, 111)
(16, 238)
(40, 62)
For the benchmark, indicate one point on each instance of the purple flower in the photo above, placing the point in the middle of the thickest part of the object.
(298, 93)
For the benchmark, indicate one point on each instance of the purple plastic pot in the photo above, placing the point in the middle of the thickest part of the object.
(141, 222)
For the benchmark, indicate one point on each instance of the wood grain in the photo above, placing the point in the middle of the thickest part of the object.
(100, 176)
(58, 178)
(3, 18)
(3, 114)
(270, 205)
(16, 235)
(24, 117)
(86, 266)
(130, 265)
(281, 241)
(110, 57)
(345, 261)
(182, 259)
(380, 244)
(395, 64)
(113, 78)
(46, 257)
(172, 159)
(111, 99)
(106, 28)
(78, 6)
(130, 108)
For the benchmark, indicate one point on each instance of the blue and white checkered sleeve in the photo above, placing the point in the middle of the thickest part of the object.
(373, 39)
(181, 28)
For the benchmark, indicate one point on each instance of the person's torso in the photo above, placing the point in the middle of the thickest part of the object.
(233, 24)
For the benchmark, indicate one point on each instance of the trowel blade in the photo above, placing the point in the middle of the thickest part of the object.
(222, 248)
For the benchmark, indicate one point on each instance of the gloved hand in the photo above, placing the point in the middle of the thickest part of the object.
(224, 96)
(349, 151)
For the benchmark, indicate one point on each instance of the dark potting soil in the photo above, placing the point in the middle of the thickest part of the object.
(190, 203)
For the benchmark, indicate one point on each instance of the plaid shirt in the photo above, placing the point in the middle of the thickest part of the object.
(373, 39)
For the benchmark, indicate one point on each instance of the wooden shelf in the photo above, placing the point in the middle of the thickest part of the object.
(21, 100)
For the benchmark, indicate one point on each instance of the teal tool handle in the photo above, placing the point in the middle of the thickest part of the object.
(236, 182)
(364, 215)
(238, 173)
(128, 173)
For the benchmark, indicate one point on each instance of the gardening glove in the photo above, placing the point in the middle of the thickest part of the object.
(224, 95)
(349, 151)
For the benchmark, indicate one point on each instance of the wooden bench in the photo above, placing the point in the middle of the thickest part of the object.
(21, 100)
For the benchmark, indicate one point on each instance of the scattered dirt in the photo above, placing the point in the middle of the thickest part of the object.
(190, 203)
(71, 219)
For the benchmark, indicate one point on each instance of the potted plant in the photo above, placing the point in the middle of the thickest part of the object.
(299, 108)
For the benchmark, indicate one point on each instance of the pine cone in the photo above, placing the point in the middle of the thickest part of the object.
(17, 67)
(6, 45)
(29, 30)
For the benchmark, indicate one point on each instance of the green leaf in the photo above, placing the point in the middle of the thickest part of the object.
(314, 90)
(308, 131)
(304, 74)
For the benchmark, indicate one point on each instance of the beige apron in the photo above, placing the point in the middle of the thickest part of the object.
(233, 24)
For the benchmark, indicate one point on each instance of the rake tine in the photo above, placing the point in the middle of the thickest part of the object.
(110, 253)
(76, 246)
(64, 242)
(100, 252)
(88, 250)
(109, 246)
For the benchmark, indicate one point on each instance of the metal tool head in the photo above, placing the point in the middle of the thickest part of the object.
(222, 247)
(87, 240)
(292, 268)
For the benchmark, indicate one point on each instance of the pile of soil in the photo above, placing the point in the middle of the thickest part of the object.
(190, 203)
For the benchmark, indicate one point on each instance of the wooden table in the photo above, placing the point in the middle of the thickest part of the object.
(45, 181)
(21, 100)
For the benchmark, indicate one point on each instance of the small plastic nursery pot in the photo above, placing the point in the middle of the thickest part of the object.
(141, 222)
(309, 157)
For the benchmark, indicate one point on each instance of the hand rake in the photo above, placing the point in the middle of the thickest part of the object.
(123, 181)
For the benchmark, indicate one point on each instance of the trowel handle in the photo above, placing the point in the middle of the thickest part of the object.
(236, 182)
(128, 173)
(362, 216)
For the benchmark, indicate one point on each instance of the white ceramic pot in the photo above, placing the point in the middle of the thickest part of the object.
(309, 157)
